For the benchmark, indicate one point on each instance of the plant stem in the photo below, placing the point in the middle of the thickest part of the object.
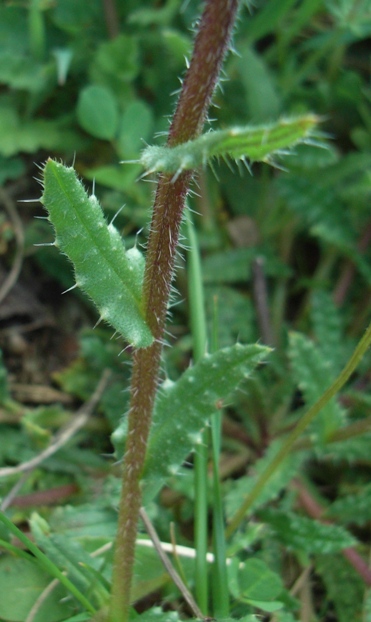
(211, 44)
(199, 338)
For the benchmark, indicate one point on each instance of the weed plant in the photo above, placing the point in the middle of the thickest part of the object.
(243, 432)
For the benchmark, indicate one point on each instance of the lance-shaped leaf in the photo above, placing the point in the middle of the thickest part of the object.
(183, 407)
(111, 276)
(257, 143)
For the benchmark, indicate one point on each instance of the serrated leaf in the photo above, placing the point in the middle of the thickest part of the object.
(183, 407)
(110, 276)
(258, 143)
(307, 535)
(279, 480)
(344, 586)
(355, 449)
(314, 375)
(353, 508)
(328, 329)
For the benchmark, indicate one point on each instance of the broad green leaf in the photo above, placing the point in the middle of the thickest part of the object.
(265, 605)
(255, 143)
(253, 580)
(97, 112)
(21, 584)
(305, 534)
(109, 275)
(135, 127)
(20, 135)
(75, 17)
(261, 92)
(158, 615)
(121, 178)
(183, 407)
(257, 581)
(284, 616)
(21, 72)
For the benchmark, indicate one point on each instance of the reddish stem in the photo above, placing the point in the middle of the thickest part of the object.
(211, 44)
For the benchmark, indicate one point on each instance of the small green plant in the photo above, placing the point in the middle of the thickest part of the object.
(136, 305)
(167, 420)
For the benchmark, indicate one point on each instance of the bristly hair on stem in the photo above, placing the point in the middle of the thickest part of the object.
(211, 44)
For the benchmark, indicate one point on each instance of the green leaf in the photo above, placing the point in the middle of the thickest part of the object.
(20, 71)
(261, 94)
(314, 374)
(97, 112)
(265, 605)
(135, 127)
(344, 586)
(68, 555)
(328, 329)
(109, 275)
(265, 20)
(253, 580)
(21, 583)
(183, 407)
(257, 143)
(236, 320)
(45, 562)
(307, 535)
(240, 489)
(353, 508)
(157, 615)
(20, 135)
(116, 64)
(257, 581)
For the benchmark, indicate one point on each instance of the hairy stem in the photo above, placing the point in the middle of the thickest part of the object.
(211, 44)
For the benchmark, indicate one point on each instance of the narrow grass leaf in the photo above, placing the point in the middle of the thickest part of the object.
(67, 554)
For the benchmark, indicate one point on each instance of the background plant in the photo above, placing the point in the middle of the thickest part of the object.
(306, 234)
